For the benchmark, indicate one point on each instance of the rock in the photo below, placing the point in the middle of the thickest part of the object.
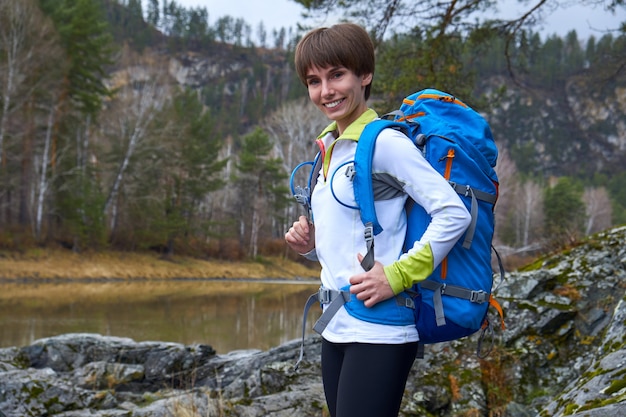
(563, 353)
(603, 385)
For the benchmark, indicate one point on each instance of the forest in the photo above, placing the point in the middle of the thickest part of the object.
(137, 126)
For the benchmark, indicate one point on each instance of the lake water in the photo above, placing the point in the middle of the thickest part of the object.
(228, 315)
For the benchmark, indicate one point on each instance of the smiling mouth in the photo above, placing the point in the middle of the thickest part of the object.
(333, 104)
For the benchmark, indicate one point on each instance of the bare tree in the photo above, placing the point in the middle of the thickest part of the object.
(598, 209)
(31, 68)
(142, 93)
(507, 189)
(49, 101)
(43, 174)
(528, 213)
(294, 127)
(452, 16)
(519, 210)
(18, 19)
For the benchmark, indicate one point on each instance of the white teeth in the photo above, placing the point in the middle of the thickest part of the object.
(333, 104)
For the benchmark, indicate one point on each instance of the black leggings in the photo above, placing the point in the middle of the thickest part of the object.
(365, 380)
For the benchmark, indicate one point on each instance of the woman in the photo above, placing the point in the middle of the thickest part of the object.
(366, 361)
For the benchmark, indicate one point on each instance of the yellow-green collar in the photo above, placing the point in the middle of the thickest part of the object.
(355, 129)
(352, 132)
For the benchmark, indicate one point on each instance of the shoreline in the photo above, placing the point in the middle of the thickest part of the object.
(112, 280)
(56, 265)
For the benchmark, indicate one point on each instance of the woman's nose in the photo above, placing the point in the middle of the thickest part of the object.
(327, 89)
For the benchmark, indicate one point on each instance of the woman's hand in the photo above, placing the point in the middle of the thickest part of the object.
(372, 286)
(301, 236)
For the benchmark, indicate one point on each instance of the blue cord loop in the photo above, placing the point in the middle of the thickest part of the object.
(350, 174)
(302, 194)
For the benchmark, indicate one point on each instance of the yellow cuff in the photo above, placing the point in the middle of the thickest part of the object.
(410, 269)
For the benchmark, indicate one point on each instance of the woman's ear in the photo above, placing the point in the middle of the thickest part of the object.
(367, 79)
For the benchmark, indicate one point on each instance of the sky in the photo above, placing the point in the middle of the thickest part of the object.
(274, 14)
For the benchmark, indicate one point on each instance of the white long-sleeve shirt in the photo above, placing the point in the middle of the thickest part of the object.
(339, 230)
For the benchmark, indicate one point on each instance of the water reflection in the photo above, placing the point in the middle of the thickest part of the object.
(225, 315)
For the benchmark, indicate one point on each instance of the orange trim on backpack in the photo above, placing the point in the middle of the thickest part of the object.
(412, 116)
(449, 158)
(320, 144)
(447, 99)
(495, 304)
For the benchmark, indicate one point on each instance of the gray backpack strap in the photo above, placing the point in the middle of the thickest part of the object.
(437, 301)
(420, 351)
(334, 299)
(469, 234)
(368, 260)
(453, 291)
(468, 191)
(312, 299)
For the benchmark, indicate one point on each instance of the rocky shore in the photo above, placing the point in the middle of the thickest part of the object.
(563, 353)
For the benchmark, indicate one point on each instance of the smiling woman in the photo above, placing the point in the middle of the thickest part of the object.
(338, 93)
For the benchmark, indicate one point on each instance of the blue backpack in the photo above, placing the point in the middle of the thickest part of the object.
(453, 301)
(457, 141)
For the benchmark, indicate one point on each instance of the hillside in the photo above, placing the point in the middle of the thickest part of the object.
(577, 128)
(559, 116)
(126, 131)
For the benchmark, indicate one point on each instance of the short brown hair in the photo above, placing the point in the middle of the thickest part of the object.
(344, 44)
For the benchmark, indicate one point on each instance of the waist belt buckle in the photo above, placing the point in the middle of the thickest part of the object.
(478, 297)
(324, 295)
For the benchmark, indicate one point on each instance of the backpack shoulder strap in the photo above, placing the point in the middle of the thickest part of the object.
(363, 191)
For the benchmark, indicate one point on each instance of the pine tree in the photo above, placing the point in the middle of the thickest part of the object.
(262, 181)
(564, 212)
(153, 13)
(87, 42)
(190, 167)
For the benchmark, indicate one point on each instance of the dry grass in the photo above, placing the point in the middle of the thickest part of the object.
(63, 264)
(69, 291)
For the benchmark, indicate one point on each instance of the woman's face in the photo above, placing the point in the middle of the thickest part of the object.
(338, 93)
